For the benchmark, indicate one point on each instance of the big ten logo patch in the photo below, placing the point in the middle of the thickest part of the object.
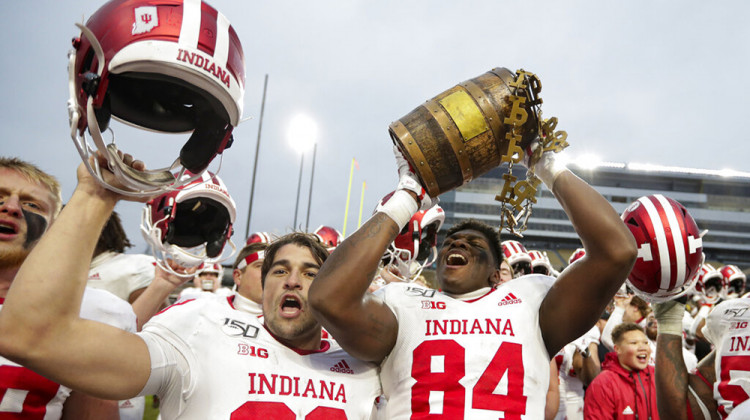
(429, 304)
(248, 350)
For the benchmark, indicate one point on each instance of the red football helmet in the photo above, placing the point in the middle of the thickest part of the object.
(670, 248)
(416, 246)
(576, 255)
(190, 224)
(259, 237)
(329, 237)
(734, 279)
(710, 283)
(517, 256)
(168, 66)
(540, 263)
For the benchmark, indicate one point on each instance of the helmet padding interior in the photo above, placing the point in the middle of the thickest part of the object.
(167, 104)
(200, 220)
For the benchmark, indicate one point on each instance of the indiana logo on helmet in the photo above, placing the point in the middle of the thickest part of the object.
(168, 66)
(670, 248)
(190, 225)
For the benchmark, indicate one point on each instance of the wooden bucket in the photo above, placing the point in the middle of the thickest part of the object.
(465, 131)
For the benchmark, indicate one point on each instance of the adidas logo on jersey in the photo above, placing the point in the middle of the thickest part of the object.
(628, 410)
(342, 367)
(94, 276)
(509, 299)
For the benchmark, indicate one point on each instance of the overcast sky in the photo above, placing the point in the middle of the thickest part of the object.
(661, 82)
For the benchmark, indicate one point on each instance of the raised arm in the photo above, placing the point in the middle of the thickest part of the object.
(362, 323)
(583, 289)
(672, 379)
(40, 327)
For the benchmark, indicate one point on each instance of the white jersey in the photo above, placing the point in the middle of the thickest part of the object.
(571, 388)
(121, 274)
(197, 293)
(728, 329)
(25, 395)
(478, 359)
(212, 361)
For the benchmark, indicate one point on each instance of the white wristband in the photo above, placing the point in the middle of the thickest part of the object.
(548, 169)
(400, 207)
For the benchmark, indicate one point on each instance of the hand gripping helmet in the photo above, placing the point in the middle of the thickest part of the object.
(329, 237)
(734, 279)
(670, 248)
(517, 256)
(540, 263)
(191, 224)
(710, 283)
(170, 66)
(259, 237)
(416, 246)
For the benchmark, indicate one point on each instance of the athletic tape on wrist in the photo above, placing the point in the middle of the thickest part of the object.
(548, 169)
(670, 321)
(400, 208)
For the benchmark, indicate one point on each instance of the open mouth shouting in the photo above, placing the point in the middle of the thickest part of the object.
(8, 229)
(456, 258)
(291, 306)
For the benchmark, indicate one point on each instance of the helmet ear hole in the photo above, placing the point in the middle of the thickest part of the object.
(632, 221)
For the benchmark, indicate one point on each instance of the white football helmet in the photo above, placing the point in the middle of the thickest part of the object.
(541, 264)
(734, 281)
(416, 246)
(191, 224)
(517, 256)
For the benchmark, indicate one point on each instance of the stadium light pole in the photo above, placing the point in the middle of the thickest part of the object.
(309, 195)
(303, 132)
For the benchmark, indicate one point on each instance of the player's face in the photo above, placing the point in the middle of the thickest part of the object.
(26, 209)
(285, 308)
(633, 351)
(506, 273)
(465, 262)
(207, 281)
(632, 314)
(248, 282)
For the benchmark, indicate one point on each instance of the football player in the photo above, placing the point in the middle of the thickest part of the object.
(29, 202)
(458, 343)
(281, 367)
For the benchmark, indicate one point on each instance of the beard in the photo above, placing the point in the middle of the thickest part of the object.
(12, 256)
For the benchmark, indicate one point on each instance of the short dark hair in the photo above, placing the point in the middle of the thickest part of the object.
(113, 237)
(306, 240)
(490, 233)
(621, 329)
(247, 250)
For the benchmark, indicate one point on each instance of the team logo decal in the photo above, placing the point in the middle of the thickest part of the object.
(146, 19)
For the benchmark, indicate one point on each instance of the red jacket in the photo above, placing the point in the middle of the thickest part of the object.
(617, 393)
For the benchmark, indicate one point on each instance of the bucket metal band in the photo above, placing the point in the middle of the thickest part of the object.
(454, 138)
(413, 150)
